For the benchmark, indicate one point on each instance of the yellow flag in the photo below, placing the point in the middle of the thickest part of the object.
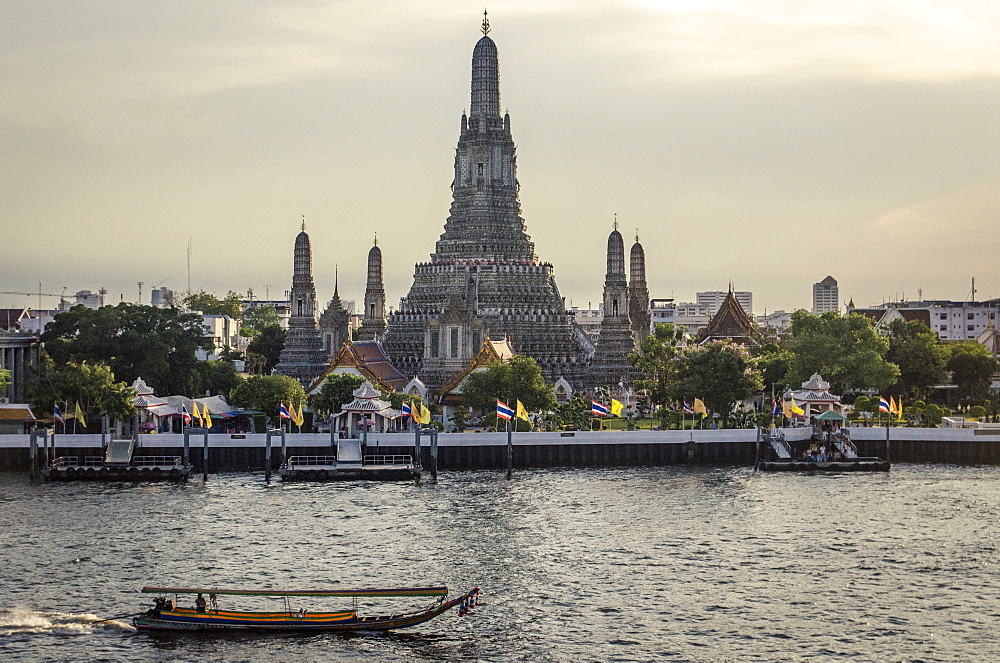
(616, 408)
(292, 413)
(79, 415)
(425, 414)
(899, 407)
(196, 413)
(699, 406)
(784, 409)
(300, 416)
(521, 412)
(206, 416)
(892, 405)
(796, 409)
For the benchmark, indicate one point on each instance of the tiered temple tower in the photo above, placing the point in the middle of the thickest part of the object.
(333, 323)
(484, 279)
(373, 322)
(615, 340)
(638, 294)
(302, 357)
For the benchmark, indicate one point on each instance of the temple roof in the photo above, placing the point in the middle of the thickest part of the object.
(731, 322)
(492, 352)
(816, 383)
(370, 361)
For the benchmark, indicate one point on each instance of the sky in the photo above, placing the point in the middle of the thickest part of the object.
(763, 143)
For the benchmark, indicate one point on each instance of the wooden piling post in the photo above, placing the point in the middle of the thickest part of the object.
(510, 451)
(204, 457)
(104, 437)
(434, 455)
(416, 446)
(284, 448)
(267, 455)
(33, 454)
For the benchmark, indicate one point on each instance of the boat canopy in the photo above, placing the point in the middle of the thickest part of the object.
(401, 591)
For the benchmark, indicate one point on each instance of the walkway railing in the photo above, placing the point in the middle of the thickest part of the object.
(388, 460)
(296, 462)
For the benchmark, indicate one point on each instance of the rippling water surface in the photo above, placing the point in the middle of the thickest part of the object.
(676, 564)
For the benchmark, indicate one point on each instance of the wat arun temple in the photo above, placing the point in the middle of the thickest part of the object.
(484, 279)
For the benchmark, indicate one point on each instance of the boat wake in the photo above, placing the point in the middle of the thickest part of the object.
(14, 621)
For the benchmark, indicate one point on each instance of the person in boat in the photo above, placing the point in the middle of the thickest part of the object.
(200, 604)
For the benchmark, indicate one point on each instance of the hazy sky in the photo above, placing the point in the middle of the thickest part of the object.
(768, 143)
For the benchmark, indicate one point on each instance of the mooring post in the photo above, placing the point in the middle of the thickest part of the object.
(104, 437)
(187, 448)
(204, 457)
(416, 446)
(510, 450)
(434, 455)
(50, 439)
(756, 463)
(33, 454)
(284, 447)
(887, 442)
(267, 455)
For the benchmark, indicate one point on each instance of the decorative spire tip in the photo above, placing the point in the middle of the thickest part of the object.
(616, 221)
(376, 239)
(486, 24)
(303, 223)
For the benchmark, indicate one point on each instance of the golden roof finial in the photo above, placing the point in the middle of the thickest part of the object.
(486, 24)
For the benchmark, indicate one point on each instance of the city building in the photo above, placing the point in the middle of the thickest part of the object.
(589, 320)
(224, 332)
(162, 298)
(712, 301)
(19, 349)
(662, 311)
(776, 322)
(826, 296)
(484, 280)
(953, 321)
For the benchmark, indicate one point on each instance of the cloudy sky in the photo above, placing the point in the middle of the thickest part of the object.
(767, 143)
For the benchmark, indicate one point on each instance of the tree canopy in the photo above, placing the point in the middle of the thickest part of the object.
(337, 390)
(4, 380)
(971, 368)
(132, 340)
(773, 360)
(721, 374)
(93, 386)
(519, 378)
(845, 350)
(267, 344)
(209, 304)
(656, 361)
(920, 355)
(216, 377)
(256, 318)
(267, 392)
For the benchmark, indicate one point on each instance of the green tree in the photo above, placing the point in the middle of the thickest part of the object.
(337, 390)
(519, 378)
(209, 304)
(845, 350)
(93, 386)
(773, 360)
(721, 374)
(256, 318)
(132, 340)
(4, 380)
(920, 355)
(267, 344)
(459, 416)
(217, 377)
(267, 392)
(971, 368)
(574, 414)
(656, 361)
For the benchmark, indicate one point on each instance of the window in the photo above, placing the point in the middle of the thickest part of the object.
(944, 327)
(971, 316)
(373, 311)
(476, 341)
(300, 306)
(944, 316)
(454, 341)
(971, 328)
(435, 343)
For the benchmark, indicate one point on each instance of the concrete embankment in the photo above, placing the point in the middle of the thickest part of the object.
(580, 449)
(455, 450)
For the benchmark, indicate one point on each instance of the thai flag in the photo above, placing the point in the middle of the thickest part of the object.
(283, 412)
(687, 408)
(775, 410)
(57, 415)
(883, 405)
(407, 412)
(598, 409)
(504, 411)
(185, 415)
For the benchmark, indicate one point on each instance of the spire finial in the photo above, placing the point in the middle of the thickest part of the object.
(616, 220)
(336, 281)
(376, 238)
(303, 223)
(636, 235)
(486, 24)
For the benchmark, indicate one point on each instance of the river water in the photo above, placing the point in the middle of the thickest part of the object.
(672, 564)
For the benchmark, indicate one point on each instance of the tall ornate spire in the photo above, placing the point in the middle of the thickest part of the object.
(615, 340)
(638, 294)
(302, 356)
(373, 323)
(485, 77)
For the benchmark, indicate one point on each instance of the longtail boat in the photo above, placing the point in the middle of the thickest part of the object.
(166, 615)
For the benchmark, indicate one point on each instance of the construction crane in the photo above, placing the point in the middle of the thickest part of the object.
(39, 294)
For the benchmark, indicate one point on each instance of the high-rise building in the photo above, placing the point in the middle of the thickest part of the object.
(712, 300)
(826, 296)
(484, 279)
(302, 357)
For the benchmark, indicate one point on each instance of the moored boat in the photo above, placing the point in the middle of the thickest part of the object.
(167, 615)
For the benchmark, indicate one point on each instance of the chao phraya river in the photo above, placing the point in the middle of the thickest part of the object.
(672, 564)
